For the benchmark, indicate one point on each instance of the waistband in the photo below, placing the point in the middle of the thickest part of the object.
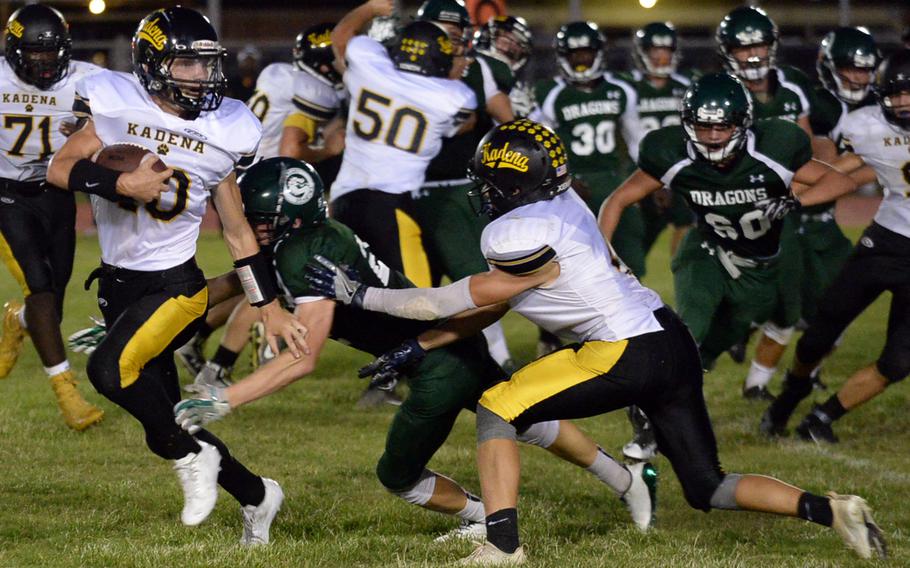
(24, 187)
(187, 268)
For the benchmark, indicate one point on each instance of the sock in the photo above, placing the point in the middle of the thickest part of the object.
(502, 530)
(795, 390)
(473, 509)
(759, 375)
(496, 343)
(615, 475)
(830, 410)
(57, 369)
(204, 331)
(20, 315)
(815, 509)
(225, 358)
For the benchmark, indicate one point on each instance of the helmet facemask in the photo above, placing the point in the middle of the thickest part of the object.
(896, 115)
(719, 153)
(754, 67)
(581, 72)
(651, 37)
(186, 88)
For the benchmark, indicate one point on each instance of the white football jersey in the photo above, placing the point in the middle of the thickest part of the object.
(32, 120)
(283, 90)
(202, 152)
(593, 299)
(396, 121)
(886, 148)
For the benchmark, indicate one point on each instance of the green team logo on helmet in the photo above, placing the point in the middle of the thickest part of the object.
(278, 192)
(656, 35)
(747, 26)
(446, 11)
(717, 99)
(576, 37)
(850, 50)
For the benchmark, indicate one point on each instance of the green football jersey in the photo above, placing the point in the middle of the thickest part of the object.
(657, 107)
(486, 76)
(792, 95)
(599, 127)
(830, 111)
(723, 200)
(368, 331)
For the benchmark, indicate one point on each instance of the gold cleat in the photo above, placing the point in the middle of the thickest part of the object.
(78, 413)
(13, 334)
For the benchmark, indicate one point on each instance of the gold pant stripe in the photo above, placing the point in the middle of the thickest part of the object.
(413, 257)
(12, 264)
(158, 332)
(551, 375)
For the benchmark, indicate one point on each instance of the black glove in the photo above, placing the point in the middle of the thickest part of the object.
(777, 208)
(340, 283)
(389, 366)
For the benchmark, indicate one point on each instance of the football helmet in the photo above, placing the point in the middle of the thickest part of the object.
(185, 38)
(894, 79)
(447, 11)
(313, 53)
(747, 26)
(38, 45)
(276, 192)
(424, 48)
(507, 38)
(717, 99)
(844, 48)
(517, 163)
(655, 34)
(578, 36)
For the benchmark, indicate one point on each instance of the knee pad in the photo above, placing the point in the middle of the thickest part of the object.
(724, 496)
(542, 434)
(699, 488)
(491, 426)
(780, 335)
(419, 492)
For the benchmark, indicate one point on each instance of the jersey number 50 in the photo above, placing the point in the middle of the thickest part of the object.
(372, 106)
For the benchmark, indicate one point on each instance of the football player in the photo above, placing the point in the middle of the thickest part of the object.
(509, 40)
(597, 115)
(747, 40)
(38, 221)
(551, 264)
(151, 291)
(875, 141)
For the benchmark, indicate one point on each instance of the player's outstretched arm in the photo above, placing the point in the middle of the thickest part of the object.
(353, 23)
(638, 186)
(254, 270)
(825, 183)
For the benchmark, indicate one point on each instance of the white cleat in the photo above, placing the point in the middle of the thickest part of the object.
(641, 496)
(853, 522)
(639, 451)
(257, 519)
(471, 531)
(198, 475)
(488, 555)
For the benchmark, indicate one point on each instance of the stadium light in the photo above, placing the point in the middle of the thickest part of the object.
(647, 4)
(96, 6)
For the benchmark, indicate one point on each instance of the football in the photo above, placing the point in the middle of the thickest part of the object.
(125, 157)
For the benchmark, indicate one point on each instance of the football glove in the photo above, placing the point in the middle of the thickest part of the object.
(389, 366)
(211, 404)
(86, 340)
(776, 208)
(339, 283)
(211, 375)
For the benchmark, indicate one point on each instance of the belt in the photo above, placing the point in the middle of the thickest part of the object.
(111, 271)
(732, 262)
(825, 217)
(26, 187)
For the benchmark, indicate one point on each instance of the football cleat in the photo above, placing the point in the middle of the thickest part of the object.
(643, 446)
(198, 475)
(373, 397)
(471, 531)
(257, 519)
(211, 375)
(191, 355)
(770, 427)
(814, 429)
(13, 334)
(77, 412)
(853, 523)
(738, 352)
(758, 394)
(260, 350)
(488, 555)
(641, 496)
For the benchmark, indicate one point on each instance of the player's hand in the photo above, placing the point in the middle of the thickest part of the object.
(776, 208)
(68, 128)
(144, 184)
(86, 340)
(386, 369)
(382, 8)
(279, 323)
(329, 280)
(334, 142)
(210, 404)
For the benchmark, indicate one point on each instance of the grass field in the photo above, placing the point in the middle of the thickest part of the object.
(100, 498)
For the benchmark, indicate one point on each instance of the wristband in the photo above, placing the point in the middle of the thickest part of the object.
(257, 279)
(89, 177)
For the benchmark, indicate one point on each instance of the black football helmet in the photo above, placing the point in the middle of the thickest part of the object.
(180, 36)
(893, 80)
(518, 163)
(507, 38)
(424, 48)
(38, 45)
(313, 54)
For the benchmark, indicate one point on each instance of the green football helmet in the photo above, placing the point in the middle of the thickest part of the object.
(577, 36)
(276, 192)
(847, 48)
(655, 34)
(717, 99)
(747, 26)
(447, 11)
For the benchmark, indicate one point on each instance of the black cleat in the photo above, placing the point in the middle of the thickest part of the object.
(814, 429)
(738, 352)
(758, 394)
(772, 428)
